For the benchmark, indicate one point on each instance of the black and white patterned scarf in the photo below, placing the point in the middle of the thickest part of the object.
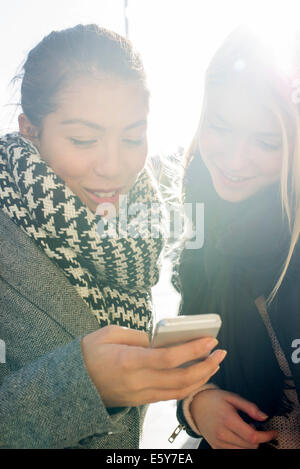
(113, 275)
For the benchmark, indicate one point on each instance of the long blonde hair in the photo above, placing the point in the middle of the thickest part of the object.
(290, 197)
(243, 48)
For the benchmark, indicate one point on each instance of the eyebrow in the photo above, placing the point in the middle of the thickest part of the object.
(93, 125)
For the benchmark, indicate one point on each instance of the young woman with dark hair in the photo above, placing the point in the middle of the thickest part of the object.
(75, 302)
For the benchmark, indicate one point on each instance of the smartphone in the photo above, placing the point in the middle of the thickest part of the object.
(181, 329)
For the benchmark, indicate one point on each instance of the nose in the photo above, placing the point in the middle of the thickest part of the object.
(237, 154)
(108, 161)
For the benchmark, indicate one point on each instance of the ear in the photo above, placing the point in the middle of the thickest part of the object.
(27, 129)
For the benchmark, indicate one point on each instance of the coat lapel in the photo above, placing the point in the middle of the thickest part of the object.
(29, 271)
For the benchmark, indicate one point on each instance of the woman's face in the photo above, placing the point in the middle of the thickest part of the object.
(240, 142)
(96, 139)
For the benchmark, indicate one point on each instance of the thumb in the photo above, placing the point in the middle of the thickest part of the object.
(248, 407)
(123, 335)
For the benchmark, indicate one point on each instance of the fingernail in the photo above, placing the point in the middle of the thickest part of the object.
(211, 344)
(262, 415)
(221, 354)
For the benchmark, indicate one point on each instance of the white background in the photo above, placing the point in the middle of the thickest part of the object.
(176, 38)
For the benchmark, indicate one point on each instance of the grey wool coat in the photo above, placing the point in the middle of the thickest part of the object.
(47, 399)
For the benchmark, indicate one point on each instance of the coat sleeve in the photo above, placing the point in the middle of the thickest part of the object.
(184, 416)
(52, 402)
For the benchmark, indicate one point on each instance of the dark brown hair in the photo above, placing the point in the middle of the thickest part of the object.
(64, 55)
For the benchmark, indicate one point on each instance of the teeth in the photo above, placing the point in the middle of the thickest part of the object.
(234, 178)
(105, 194)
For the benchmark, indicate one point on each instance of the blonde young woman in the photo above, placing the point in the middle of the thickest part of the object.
(244, 165)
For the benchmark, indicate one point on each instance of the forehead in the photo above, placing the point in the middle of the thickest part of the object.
(106, 101)
(242, 107)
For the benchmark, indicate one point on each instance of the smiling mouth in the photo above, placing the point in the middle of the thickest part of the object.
(233, 178)
(100, 196)
(102, 193)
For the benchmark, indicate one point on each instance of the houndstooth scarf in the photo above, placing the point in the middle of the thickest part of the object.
(113, 275)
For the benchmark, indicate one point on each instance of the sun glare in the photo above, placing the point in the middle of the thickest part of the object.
(281, 44)
(176, 38)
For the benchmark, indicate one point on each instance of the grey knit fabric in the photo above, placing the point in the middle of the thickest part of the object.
(47, 399)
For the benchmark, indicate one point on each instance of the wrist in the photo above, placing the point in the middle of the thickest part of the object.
(184, 423)
(189, 410)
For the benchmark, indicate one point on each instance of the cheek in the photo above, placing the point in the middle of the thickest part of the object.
(73, 168)
(64, 163)
(136, 161)
(209, 144)
(268, 164)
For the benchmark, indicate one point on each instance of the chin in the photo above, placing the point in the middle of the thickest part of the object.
(233, 196)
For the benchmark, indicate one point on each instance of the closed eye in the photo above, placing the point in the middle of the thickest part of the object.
(82, 142)
(269, 146)
(134, 142)
(219, 128)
